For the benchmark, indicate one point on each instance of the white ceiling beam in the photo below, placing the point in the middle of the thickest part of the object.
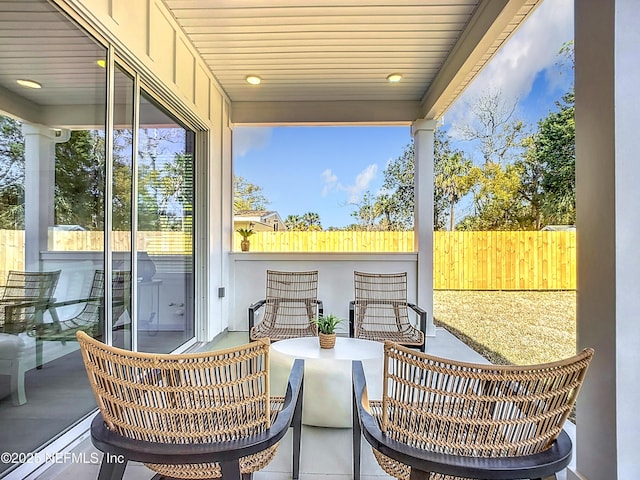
(489, 22)
(323, 112)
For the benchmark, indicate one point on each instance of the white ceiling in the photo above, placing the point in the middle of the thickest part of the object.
(343, 50)
(320, 60)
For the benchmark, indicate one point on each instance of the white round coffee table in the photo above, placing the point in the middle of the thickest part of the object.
(327, 395)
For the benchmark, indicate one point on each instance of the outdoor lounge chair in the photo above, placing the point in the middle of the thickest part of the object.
(444, 419)
(380, 310)
(197, 416)
(90, 318)
(290, 306)
(23, 300)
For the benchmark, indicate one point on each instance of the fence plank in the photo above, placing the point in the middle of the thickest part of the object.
(505, 260)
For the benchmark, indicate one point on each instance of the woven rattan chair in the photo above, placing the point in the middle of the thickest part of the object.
(380, 310)
(290, 306)
(441, 419)
(90, 319)
(24, 299)
(196, 416)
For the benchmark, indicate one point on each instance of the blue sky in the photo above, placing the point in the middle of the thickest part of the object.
(326, 170)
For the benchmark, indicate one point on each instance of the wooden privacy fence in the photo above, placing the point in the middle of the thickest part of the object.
(505, 260)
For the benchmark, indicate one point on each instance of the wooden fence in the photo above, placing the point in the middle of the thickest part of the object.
(504, 260)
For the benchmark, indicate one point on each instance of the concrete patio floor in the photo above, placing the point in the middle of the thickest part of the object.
(325, 452)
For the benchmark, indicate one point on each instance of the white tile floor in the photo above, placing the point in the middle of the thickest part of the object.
(325, 452)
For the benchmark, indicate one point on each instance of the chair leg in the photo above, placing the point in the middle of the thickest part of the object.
(38, 353)
(110, 470)
(418, 475)
(296, 423)
(231, 470)
(357, 439)
(18, 395)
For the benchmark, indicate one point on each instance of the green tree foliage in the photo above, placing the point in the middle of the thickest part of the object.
(80, 177)
(309, 221)
(497, 202)
(365, 216)
(554, 148)
(11, 174)
(452, 180)
(247, 196)
(176, 187)
(394, 208)
(398, 185)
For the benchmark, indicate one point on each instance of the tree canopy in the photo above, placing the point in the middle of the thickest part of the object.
(247, 196)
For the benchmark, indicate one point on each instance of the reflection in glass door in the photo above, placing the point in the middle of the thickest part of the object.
(164, 241)
(121, 211)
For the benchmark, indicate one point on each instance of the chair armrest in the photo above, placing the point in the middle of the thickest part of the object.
(13, 305)
(252, 312)
(227, 451)
(539, 465)
(66, 303)
(352, 317)
(422, 314)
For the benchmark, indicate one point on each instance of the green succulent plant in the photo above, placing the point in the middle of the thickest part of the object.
(327, 324)
(245, 232)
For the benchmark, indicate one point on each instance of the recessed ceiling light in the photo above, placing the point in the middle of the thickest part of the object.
(253, 80)
(28, 83)
(102, 63)
(394, 77)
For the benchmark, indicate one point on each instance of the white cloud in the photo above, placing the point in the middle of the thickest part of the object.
(330, 181)
(361, 183)
(250, 138)
(531, 50)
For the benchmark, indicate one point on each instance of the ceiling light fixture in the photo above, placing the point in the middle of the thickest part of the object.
(28, 83)
(253, 80)
(394, 77)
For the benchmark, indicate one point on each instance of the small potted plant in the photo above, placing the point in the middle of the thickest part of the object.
(245, 233)
(327, 330)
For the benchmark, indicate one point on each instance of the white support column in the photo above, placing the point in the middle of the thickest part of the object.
(39, 184)
(608, 227)
(423, 135)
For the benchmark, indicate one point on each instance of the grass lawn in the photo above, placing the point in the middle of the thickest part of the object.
(511, 327)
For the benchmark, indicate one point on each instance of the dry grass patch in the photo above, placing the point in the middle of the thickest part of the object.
(523, 327)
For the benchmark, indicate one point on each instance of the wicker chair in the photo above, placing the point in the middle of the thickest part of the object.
(380, 310)
(441, 419)
(196, 416)
(90, 319)
(291, 304)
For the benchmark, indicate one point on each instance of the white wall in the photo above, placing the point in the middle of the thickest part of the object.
(335, 278)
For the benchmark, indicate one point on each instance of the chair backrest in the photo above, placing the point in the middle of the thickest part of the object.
(381, 302)
(30, 294)
(477, 410)
(291, 298)
(121, 293)
(185, 398)
(30, 286)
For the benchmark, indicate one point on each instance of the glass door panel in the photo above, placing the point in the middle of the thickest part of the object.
(165, 282)
(122, 213)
